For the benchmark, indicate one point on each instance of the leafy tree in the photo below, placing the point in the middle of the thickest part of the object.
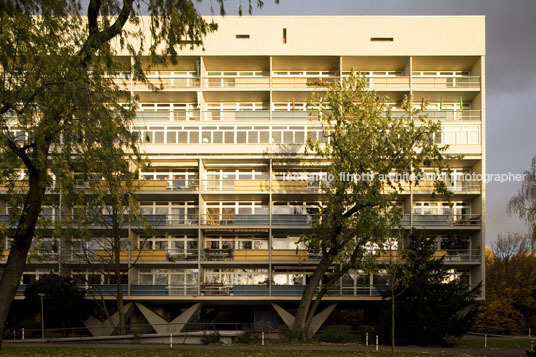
(363, 138)
(109, 202)
(59, 95)
(64, 304)
(523, 204)
(398, 274)
(429, 305)
(510, 286)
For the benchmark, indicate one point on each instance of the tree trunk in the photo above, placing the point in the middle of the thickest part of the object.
(117, 264)
(301, 327)
(392, 321)
(22, 241)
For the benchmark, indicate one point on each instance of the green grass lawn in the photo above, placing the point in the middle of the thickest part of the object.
(493, 342)
(95, 352)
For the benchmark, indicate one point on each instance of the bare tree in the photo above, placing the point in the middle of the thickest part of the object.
(523, 203)
(510, 245)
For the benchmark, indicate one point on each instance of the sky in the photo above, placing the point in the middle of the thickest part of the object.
(510, 73)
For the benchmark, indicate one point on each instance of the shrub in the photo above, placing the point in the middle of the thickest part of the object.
(335, 334)
(363, 330)
(213, 337)
(244, 337)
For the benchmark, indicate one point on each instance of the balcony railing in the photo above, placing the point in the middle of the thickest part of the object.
(278, 186)
(135, 255)
(211, 289)
(235, 219)
(142, 290)
(299, 220)
(285, 115)
(236, 185)
(167, 185)
(105, 221)
(458, 187)
(462, 255)
(397, 82)
(167, 81)
(462, 115)
(308, 82)
(237, 82)
(258, 255)
(168, 115)
(433, 82)
(289, 290)
(446, 220)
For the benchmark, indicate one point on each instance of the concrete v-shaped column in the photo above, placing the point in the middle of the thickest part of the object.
(316, 322)
(103, 328)
(162, 326)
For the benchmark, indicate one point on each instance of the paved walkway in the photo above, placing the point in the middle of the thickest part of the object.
(409, 349)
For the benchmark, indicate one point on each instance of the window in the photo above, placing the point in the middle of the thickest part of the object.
(242, 36)
(381, 39)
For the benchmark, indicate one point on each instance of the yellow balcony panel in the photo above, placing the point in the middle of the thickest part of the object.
(140, 255)
(151, 185)
(251, 255)
(385, 258)
(289, 186)
(252, 185)
(18, 186)
(5, 254)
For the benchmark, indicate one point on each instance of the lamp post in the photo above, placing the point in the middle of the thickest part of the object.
(42, 295)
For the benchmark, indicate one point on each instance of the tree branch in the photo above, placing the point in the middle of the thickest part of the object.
(97, 39)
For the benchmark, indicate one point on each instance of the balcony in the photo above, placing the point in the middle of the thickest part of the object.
(258, 255)
(236, 115)
(34, 256)
(142, 290)
(460, 187)
(303, 81)
(168, 115)
(105, 221)
(380, 82)
(168, 80)
(236, 185)
(190, 185)
(140, 256)
(236, 82)
(454, 115)
(462, 255)
(437, 82)
(235, 219)
(290, 290)
(442, 220)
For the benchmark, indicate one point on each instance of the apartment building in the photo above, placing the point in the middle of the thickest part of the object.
(231, 122)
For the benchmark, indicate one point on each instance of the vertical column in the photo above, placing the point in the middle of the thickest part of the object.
(409, 71)
(340, 69)
(200, 207)
(480, 70)
(60, 243)
(270, 101)
(200, 96)
(270, 229)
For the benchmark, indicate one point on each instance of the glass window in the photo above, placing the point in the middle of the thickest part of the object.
(171, 137)
(253, 137)
(241, 137)
(158, 137)
(287, 137)
(217, 137)
(194, 137)
(183, 137)
(229, 137)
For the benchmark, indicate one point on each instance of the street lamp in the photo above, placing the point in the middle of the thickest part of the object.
(42, 295)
